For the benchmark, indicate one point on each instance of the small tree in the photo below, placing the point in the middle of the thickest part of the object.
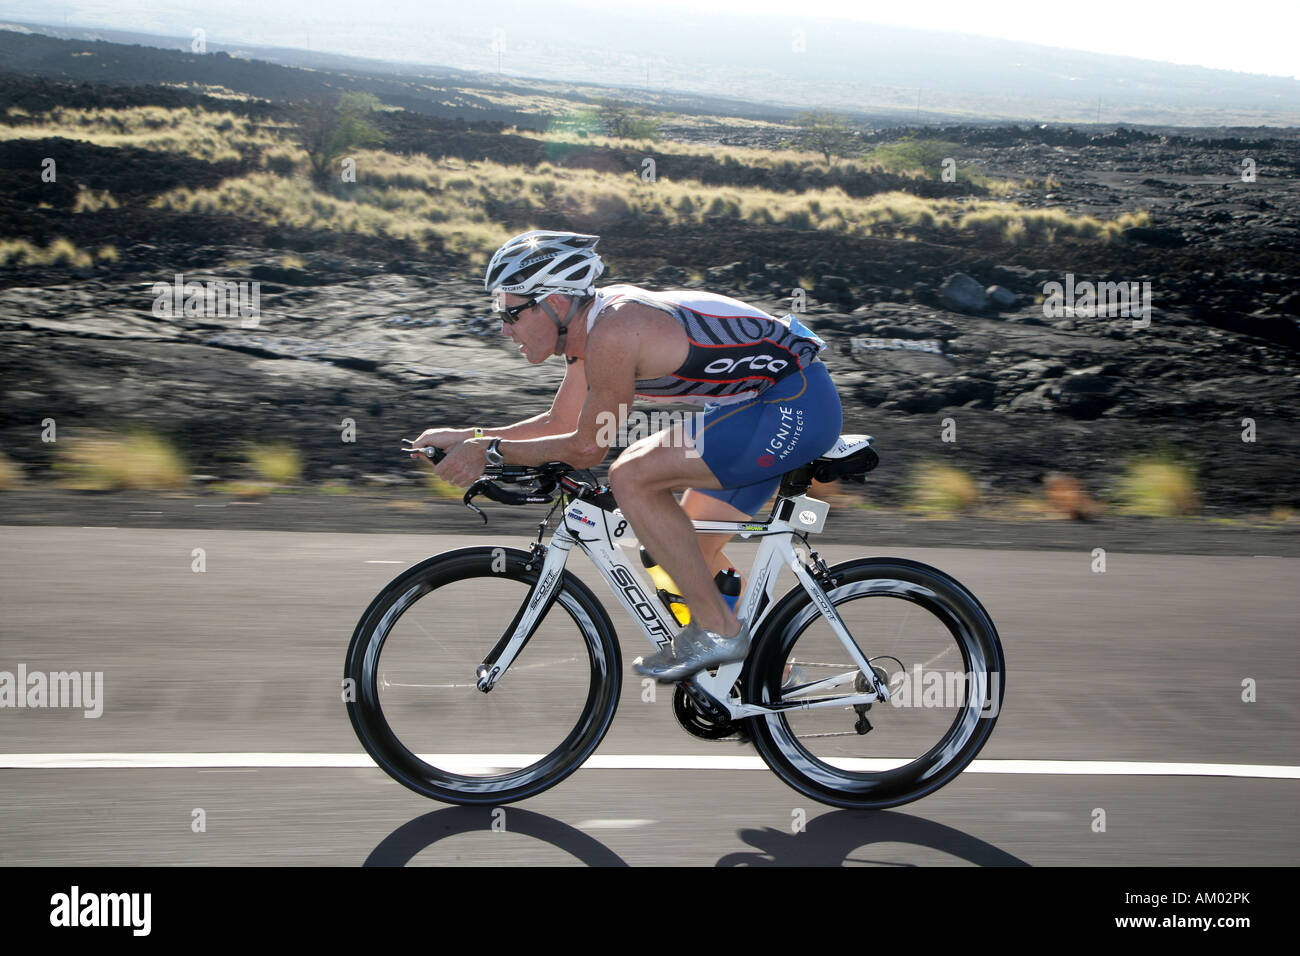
(328, 130)
(824, 132)
(626, 122)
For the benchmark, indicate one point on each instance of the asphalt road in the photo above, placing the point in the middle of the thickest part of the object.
(1144, 662)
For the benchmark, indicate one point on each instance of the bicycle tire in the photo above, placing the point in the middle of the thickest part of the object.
(490, 572)
(954, 609)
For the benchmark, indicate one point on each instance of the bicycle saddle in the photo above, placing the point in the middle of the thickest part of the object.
(849, 459)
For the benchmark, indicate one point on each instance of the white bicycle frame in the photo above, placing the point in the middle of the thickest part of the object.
(602, 535)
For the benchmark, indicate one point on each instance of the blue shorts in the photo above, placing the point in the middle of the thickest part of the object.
(750, 445)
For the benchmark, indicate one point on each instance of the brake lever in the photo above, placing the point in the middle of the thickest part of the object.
(472, 492)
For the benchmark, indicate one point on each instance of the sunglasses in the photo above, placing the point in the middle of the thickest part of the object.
(510, 314)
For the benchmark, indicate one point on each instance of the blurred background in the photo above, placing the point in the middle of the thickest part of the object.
(240, 245)
(1053, 250)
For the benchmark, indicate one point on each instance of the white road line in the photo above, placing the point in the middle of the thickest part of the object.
(615, 824)
(467, 762)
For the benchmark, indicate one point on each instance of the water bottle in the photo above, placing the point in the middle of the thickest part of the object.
(728, 583)
(666, 589)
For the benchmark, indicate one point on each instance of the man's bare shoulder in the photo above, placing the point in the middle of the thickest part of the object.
(653, 340)
(616, 336)
(623, 318)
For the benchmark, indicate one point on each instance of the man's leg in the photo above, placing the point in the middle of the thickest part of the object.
(702, 507)
(643, 480)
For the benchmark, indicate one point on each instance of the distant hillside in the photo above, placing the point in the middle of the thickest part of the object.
(890, 74)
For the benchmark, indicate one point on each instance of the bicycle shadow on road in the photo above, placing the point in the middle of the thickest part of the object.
(830, 838)
(402, 845)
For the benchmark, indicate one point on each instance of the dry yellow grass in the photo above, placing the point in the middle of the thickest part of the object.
(195, 132)
(140, 460)
(20, 252)
(457, 202)
(459, 220)
(90, 200)
(745, 155)
(943, 489)
(416, 197)
(11, 476)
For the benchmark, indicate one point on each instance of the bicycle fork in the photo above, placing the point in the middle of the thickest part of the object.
(535, 607)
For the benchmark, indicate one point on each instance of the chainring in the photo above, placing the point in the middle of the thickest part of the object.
(697, 721)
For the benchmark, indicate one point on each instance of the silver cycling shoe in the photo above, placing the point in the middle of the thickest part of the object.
(693, 649)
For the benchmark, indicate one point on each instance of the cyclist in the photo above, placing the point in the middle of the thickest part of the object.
(769, 407)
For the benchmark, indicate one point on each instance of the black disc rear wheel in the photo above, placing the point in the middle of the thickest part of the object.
(944, 661)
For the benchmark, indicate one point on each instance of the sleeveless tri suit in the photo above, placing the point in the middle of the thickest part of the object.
(769, 403)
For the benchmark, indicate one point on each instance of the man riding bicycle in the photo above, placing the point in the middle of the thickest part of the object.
(769, 407)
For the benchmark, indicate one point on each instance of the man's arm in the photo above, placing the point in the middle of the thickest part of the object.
(610, 377)
(560, 419)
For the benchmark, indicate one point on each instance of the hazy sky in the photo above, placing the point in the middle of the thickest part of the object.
(1250, 36)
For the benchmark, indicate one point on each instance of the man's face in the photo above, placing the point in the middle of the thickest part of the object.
(533, 329)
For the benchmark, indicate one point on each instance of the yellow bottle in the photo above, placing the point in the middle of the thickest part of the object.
(667, 589)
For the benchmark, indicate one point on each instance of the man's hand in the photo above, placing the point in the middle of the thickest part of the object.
(464, 463)
(443, 438)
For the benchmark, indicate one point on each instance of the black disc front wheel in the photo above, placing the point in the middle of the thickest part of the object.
(411, 671)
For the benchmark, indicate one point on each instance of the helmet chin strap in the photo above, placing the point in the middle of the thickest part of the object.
(562, 325)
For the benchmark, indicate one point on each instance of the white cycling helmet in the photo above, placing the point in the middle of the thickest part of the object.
(545, 262)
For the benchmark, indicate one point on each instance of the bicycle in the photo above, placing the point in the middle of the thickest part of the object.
(428, 702)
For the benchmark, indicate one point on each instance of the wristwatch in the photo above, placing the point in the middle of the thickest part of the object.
(494, 456)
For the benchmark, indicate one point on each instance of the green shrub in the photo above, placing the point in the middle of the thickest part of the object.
(276, 463)
(910, 155)
(1159, 486)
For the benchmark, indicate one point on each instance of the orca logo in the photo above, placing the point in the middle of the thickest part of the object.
(755, 363)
